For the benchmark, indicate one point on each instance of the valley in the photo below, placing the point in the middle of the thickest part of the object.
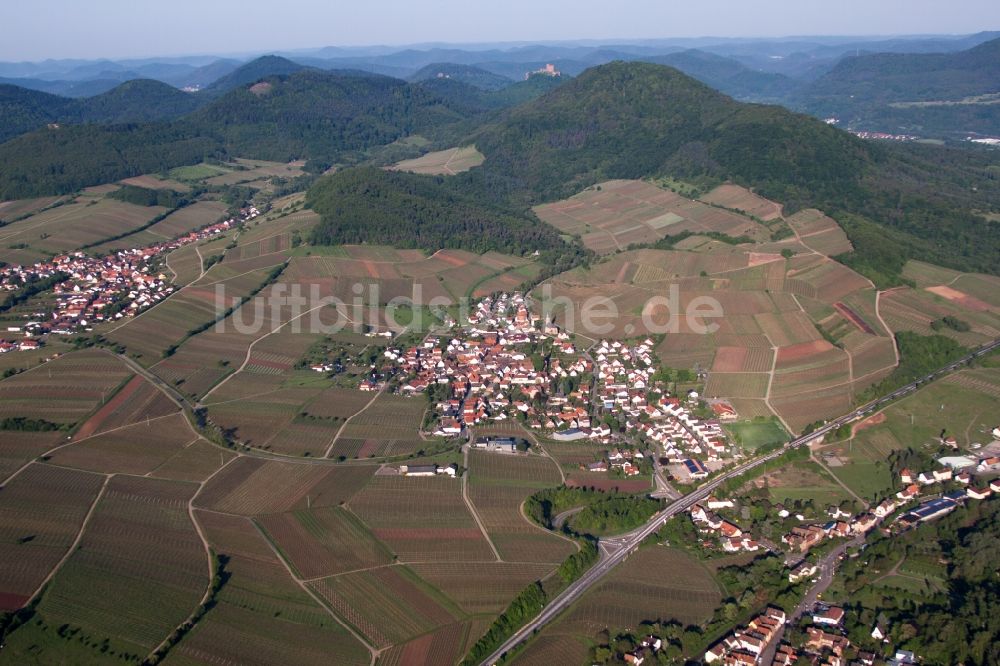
(515, 359)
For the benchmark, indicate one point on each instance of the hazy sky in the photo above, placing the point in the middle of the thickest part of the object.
(42, 29)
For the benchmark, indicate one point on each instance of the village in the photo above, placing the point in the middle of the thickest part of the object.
(925, 497)
(91, 290)
(504, 364)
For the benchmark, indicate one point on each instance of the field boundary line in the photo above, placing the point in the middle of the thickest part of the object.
(471, 506)
(149, 474)
(201, 263)
(166, 261)
(343, 425)
(79, 441)
(397, 563)
(454, 152)
(76, 542)
(840, 483)
(373, 651)
(246, 359)
(246, 397)
(770, 383)
(208, 555)
(233, 277)
(892, 335)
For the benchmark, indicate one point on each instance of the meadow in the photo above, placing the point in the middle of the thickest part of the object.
(70, 226)
(443, 162)
(752, 435)
(656, 583)
(324, 541)
(766, 354)
(251, 486)
(960, 405)
(63, 391)
(388, 605)
(139, 448)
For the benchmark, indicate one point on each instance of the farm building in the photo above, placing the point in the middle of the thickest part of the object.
(428, 470)
(570, 435)
(696, 469)
(831, 616)
(930, 510)
(498, 444)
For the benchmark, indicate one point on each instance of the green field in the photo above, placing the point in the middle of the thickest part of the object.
(806, 481)
(752, 435)
(197, 171)
(960, 405)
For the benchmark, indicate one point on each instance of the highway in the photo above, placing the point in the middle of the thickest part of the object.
(614, 550)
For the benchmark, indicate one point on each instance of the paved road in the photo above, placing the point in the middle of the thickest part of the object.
(663, 488)
(824, 577)
(615, 550)
(175, 395)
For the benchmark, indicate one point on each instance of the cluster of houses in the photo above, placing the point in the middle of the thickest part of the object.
(95, 290)
(624, 376)
(98, 289)
(800, 538)
(732, 538)
(943, 503)
(623, 459)
(883, 136)
(746, 645)
(958, 470)
(489, 374)
(842, 524)
(824, 644)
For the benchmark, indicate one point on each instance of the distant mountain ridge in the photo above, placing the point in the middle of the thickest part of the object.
(906, 77)
(473, 76)
(253, 71)
(728, 75)
(915, 93)
(139, 100)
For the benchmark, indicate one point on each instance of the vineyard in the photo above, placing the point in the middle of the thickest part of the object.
(324, 541)
(421, 519)
(498, 486)
(41, 512)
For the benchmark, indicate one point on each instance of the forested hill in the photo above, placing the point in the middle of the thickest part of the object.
(309, 114)
(634, 120)
(139, 100)
(631, 120)
(368, 205)
(473, 76)
(907, 77)
(251, 72)
(948, 95)
(729, 75)
(318, 114)
(23, 110)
